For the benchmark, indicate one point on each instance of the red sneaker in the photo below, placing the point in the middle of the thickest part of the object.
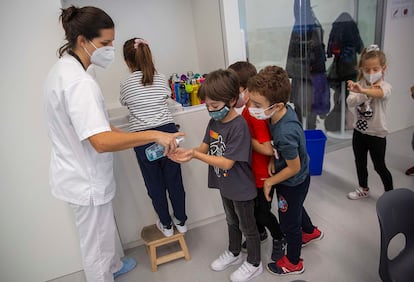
(308, 238)
(285, 267)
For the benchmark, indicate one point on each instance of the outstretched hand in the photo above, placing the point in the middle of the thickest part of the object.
(181, 155)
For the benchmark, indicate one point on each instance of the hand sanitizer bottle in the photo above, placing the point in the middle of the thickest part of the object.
(156, 151)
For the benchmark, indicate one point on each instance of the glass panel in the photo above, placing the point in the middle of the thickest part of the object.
(308, 38)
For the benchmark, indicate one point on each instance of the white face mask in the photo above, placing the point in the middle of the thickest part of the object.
(102, 56)
(243, 98)
(259, 113)
(372, 78)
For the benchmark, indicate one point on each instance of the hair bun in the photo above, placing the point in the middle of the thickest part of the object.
(69, 13)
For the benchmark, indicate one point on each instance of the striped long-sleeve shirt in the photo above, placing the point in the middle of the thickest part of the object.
(147, 104)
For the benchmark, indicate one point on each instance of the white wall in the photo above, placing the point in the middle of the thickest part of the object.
(172, 29)
(38, 239)
(399, 46)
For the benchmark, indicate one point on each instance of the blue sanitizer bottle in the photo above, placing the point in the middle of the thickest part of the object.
(156, 151)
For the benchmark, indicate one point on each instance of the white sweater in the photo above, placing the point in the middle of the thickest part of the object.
(376, 125)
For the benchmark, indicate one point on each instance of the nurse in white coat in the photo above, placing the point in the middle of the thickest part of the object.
(81, 167)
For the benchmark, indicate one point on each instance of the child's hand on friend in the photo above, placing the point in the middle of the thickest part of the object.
(181, 155)
(267, 187)
(271, 169)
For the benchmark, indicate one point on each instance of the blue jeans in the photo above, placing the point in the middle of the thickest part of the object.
(240, 220)
(160, 176)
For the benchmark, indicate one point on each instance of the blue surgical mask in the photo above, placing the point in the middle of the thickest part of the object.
(219, 114)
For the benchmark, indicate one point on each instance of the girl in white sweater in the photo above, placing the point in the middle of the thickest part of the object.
(368, 97)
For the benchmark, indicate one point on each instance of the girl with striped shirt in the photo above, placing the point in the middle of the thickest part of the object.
(145, 93)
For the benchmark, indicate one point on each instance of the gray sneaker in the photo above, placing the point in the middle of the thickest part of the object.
(279, 249)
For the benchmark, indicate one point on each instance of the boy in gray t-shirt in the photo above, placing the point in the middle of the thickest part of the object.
(226, 148)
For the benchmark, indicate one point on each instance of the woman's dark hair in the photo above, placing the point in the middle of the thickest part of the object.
(273, 83)
(138, 57)
(220, 85)
(87, 21)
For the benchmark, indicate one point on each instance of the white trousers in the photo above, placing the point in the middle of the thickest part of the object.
(97, 236)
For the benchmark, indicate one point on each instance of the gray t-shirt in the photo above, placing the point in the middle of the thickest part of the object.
(289, 142)
(231, 140)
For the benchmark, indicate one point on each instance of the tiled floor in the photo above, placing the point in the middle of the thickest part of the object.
(348, 252)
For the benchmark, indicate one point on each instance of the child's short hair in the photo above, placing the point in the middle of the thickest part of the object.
(273, 83)
(220, 85)
(244, 70)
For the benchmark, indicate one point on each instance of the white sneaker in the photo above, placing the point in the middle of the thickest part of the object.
(168, 232)
(182, 228)
(359, 193)
(225, 260)
(246, 272)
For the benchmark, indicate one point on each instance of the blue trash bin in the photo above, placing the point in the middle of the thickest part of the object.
(315, 146)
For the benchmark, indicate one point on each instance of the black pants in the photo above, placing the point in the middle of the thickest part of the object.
(293, 217)
(241, 221)
(362, 144)
(264, 216)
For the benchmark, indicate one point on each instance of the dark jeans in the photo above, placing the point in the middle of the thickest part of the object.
(362, 144)
(240, 220)
(264, 216)
(160, 176)
(293, 216)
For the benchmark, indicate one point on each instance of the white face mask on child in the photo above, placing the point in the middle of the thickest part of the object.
(243, 98)
(259, 113)
(372, 78)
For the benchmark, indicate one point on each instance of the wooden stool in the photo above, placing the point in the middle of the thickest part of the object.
(153, 238)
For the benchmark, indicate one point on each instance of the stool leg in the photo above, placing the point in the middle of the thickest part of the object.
(153, 256)
(184, 248)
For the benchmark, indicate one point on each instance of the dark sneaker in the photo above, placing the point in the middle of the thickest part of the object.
(410, 171)
(127, 265)
(285, 267)
(263, 237)
(308, 238)
(279, 249)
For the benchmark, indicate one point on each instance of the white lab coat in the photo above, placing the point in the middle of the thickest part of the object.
(75, 110)
(80, 175)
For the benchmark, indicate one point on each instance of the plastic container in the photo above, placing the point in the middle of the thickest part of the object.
(156, 151)
(315, 146)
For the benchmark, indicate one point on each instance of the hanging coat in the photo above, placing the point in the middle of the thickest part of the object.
(344, 43)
